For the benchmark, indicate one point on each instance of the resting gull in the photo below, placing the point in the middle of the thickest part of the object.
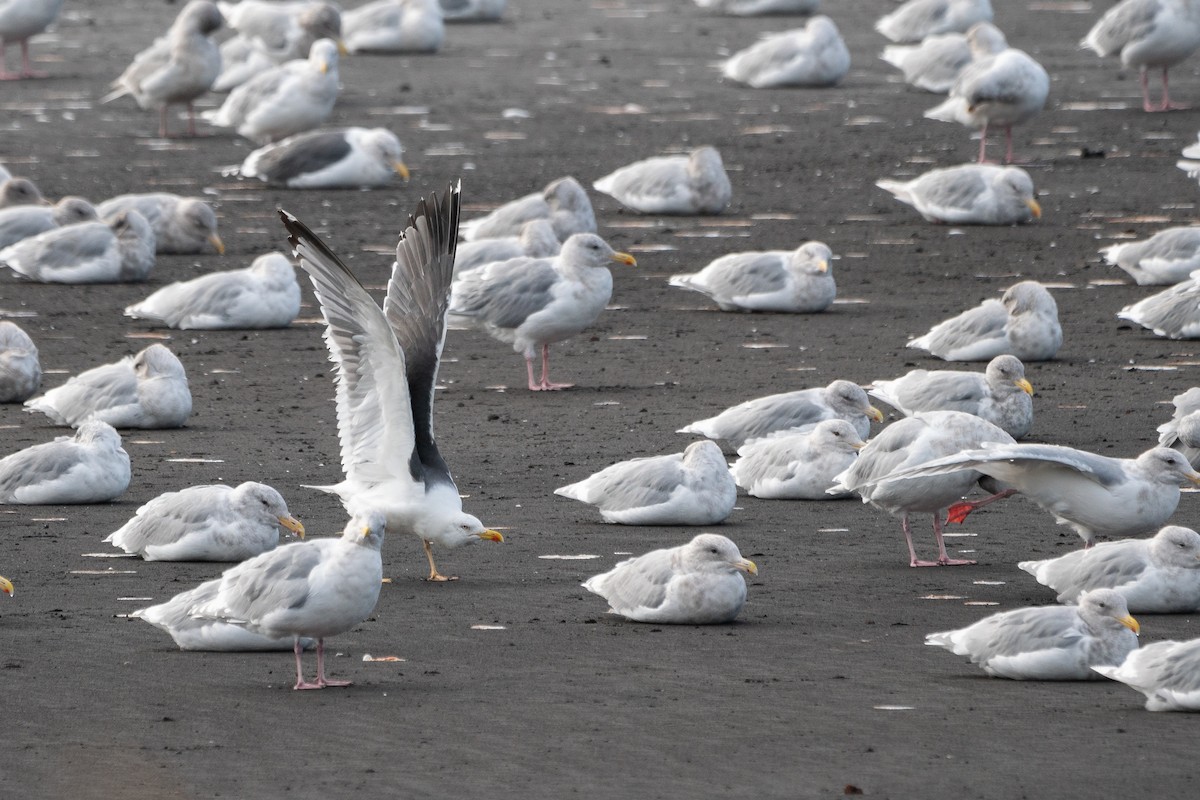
(181, 224)
(1048, 643)
(1160, 575)
(799, 411)
(317, 588)
(22, 222)
(969, 194)
(911, 441)
(118, 249)
(472, 10)
(814, 55)
(532, 303)
(917, 19)
(798, 466)
(1091, 493)
(293, 97)
(145, 390)
(339, 158)
(795, 281)
(1168, 673)
(536, 240)
(175, 70)
(1182, 432)
(757, 8)
(387, 361)
(563, 202)
(1148, 34)
(394, 26)
(1004, 89)
(269, 34)
(264, 295)
(207, 523)
(19, 21)
(18, 191)
(699, 583)
(89, 467)
(1001, 395)
(1165, 259)
(689, 488)
(20, 370)
(1023, 323)
(692, 184)
(1173, 313)
(935, 64)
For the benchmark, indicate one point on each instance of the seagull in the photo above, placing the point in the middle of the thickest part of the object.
(1023, 322)
(207, 523)
(689, 488)
(532, 303)
(1182, 432)
(17, 191)
(1001, 395)
(814, 55)
(264, 295)
(797, 411)
(756, 8)
(387, 362)
(317, 588)
(917, 19)
(1148, 34)
(563, 202)
(935, 64)
(268, 34)
(181, 224)
(22, 222)
(20, 370)
(1173, 313)
(146, 390)
(395, 26)
(969, 194)
(797, 281)
(1048, 643)
(176, 69)
(798, 466)
(118, 249)
(699, 583)
(89, 467)
(1159, 575)
(1168, 673)
(536, 240)
(692, 184)
(339, 158)
(1165, 259)
(1093, 494)
(20, 20)
(911, 441)
(473, 10)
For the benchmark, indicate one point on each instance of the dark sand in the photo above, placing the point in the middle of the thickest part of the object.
(564, 701)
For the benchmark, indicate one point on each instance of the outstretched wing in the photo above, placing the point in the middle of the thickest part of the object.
(418, 295)
(374, 408)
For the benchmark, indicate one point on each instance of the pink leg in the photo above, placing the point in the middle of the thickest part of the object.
(544, 385)
(912, 553)
(959, 512)
(1145, 81)
(5, 75)
(300, 682)
(191, 119)
(943, 559)
(26, 70)
(162, 122)
(1167, 105)
(983, 144)
(322, 681)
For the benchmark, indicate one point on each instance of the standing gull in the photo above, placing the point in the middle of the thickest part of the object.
(1001, 395)
(340, 158)
(318, 588)
(969, 194)
(119, 249)
(689, 488)
(146, 390)
(175, 70)
(20, 370)
(20, 20)
(796, 281)
(387, 361)
(798, 466)
(532, 303)
(917, 19)
(1165, 259)
(814, 55)
(1168, 673)
(692, 184)
(1160, 575)
(563, 202)
(1148, 34)
(181, 224)
(22, 222)
(1093, 494)
(89, 467)
(798, 411)
(1182, 431)
(1023, 323)
(916, 440)
(1048, 643)
(699, 583)
(264, 295)
(1173, 313)
(207, 523)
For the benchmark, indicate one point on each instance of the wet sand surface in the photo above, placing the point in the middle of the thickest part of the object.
(514, 682)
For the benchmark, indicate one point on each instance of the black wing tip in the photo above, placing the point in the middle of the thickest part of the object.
(431, 207)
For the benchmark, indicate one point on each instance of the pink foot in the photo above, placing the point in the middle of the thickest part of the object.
(323, 682)
(547, 386)
(300, 685)
(948, 562)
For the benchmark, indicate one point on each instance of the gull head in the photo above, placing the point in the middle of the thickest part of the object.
(1104, 607)
(263, 501)
(1163, 465)
(366, 529)
(156, 361)
(456, 529)
(711, 552)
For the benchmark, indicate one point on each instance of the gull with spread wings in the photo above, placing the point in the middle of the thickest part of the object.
(387, 362)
